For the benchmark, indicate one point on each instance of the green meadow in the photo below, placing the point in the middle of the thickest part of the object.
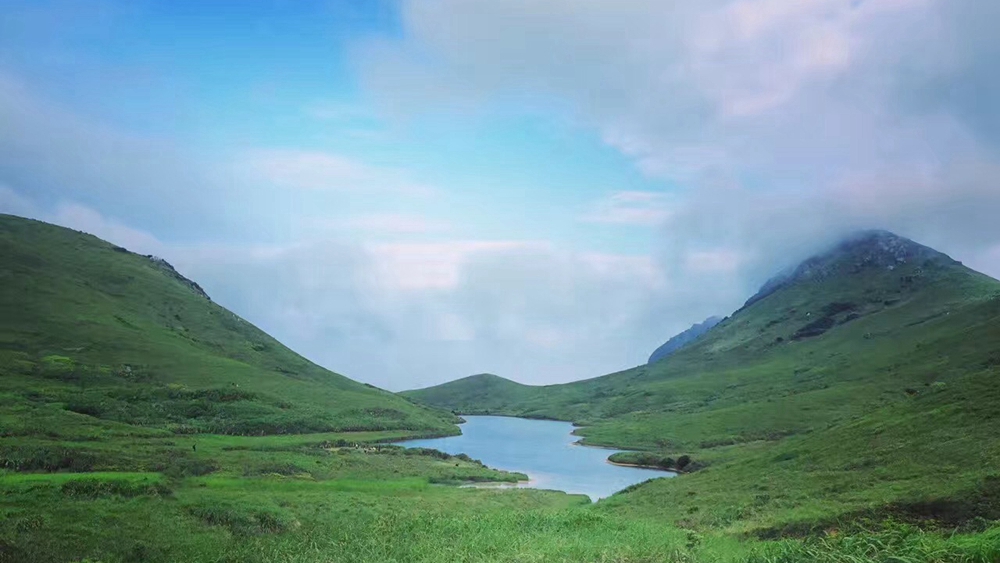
(852, 418)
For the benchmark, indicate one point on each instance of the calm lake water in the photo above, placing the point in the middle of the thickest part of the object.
(544, 450)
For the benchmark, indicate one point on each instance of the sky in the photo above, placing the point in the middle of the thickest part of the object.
(412, 191)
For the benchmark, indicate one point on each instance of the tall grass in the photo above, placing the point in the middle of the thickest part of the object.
(893, 544)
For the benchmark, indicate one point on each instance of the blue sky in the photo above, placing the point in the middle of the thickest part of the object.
(411, 191)
(221, 78)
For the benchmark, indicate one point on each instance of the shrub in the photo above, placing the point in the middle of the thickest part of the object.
(273, 468)
(186, 467)
(643, 459)
(683, 462)
(838, 307)
(96, 488)
(46, 458)
(428, 452)
(244, 520)
(815, 328)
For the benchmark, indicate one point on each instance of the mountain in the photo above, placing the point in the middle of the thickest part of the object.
(484, 393)
(91, 331)
(683, 339)
(865, 250)
(874, 283)
(865, 380)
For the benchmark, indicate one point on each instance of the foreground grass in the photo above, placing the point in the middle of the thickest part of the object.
(895, 544)
(138, 517)
(344, 505)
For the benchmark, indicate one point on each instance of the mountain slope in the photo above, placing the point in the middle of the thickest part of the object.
(872, 289)
(484, 393)
(88, 328)
(683, 339)
(848, 382)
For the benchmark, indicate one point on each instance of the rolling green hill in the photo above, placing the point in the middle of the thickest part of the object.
(484, 393)
(865, 378)
(91, 331)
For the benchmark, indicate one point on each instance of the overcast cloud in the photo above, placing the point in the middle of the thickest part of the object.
(780, 126)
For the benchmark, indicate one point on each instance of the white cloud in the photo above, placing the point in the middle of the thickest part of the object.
(630, 208)
(783, 92)
(397, 224)
(82, 218)
(434, 265)
(415, 314)
(316, 170)
(15, 204)
(787, 123)
(51, 152)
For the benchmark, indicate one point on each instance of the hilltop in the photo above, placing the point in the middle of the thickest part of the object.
(483, 393)
(862, 380)
(92, 332)
(682, 339)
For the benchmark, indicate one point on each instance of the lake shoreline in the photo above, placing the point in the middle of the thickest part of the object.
(583, 445)
(648, 467)
(543, 450)
(523, 417)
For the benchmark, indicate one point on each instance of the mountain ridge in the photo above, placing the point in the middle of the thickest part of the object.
(124, 337)
(865, 249)
(678, 341)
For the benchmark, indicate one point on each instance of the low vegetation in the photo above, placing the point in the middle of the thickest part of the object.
(655, 461)
(851, 418)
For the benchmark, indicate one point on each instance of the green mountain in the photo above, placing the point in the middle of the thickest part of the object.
(862, 379)
(682, 339)
(89, 330)
(476, 394)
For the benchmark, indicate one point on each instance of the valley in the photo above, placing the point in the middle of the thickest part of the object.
(847, 412)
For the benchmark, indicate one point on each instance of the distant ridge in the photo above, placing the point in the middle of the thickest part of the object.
(683, 339)
(483, 393)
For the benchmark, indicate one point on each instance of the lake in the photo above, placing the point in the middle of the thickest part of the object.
(544, 450)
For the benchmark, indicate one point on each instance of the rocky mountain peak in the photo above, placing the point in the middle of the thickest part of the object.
(861, 251)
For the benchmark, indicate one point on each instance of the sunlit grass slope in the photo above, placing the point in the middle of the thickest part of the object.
(88, 329)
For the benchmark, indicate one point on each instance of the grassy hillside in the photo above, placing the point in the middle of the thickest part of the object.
(484, 393)
(862, 382)
(89, 330)
(140, 422)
